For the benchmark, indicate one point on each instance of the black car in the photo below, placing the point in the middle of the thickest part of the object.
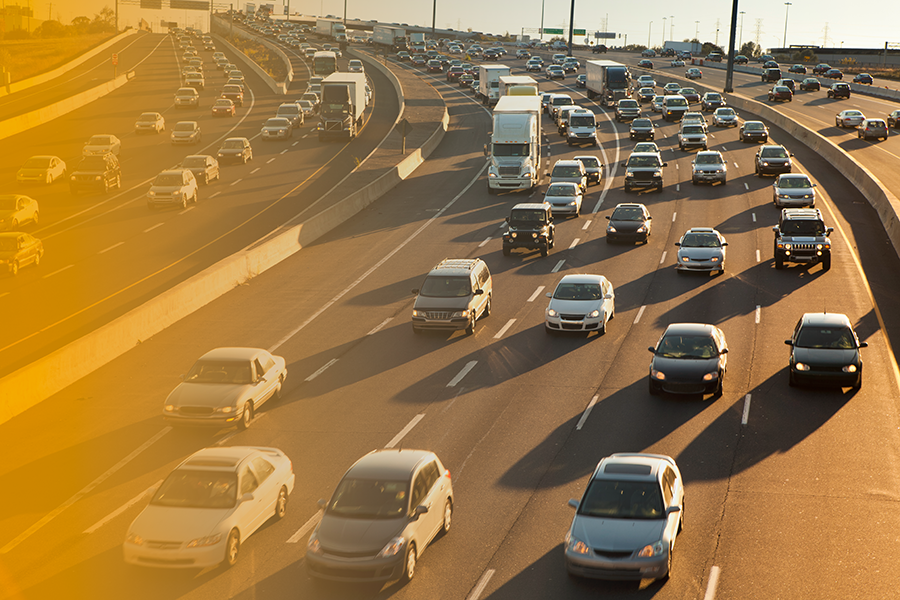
(754, 131)
(864, 78)
(774, 159)
(839, 90)
(712, 101)
(628, 221)
(645, 64)
(599, 48)
(797, 69)
(642, 129)
(740, 59)
(770, 64)
(810, 84)
(529, 225)
(825, 349)
(96, 173)
(581, 81)
(820, 68)
(771, 74)
(689, 358)
(490, 54)
(780, 93)
(833, 74)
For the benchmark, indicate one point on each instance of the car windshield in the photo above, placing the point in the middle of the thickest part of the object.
(688, 91)
(622, 500)
(223, 103)
(643, 161)
(562, 190)
(646, 147)
(700, 240)
(312, 98)
(218, 371)
(186, 92)
(687, 346)
(754, 126)
(187, 488)
(168, 179)
(773, 152)
(277, 123)
(231, 89)
(194, 161)
(709, 159)
(711, 96)
(370, 499)
(725, 112)
(641, 123)
(288, 110)
(627, 213)
(794, 182)
(673, 102)
(849, 113)
(628, 104)
(581, 120)
(566, 171)
(185, 126)
(442, 286)
(578, 291)
(232, 144)
(803, 227)
(510, 149)
(840, 338)
(94, 163)
(305, 104)
(562, 101)
(99, 140)
(589, 161)
(37, 163)
(148, 117)
(527, 217)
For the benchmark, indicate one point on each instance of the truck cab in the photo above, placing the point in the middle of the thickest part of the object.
(515, 150)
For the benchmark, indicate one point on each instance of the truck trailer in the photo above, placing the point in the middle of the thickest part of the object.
(331, 29)
(607, 79)
(389, 38)
(488, 90)
(517, 81)
(343, 105)
(515, 150)
(679, 47)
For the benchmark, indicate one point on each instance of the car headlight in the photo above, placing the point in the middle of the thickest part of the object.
(460, 314)
(714, 259)
(221, 154)
(629, 174)
(226, 409)
(801, 366)
(849, 369)
(314, 546)
(685, 259)
(393, 547)
(787, 246)
(657, 374)
(651, 550)
(594, 314)
(578, 547)
(711, 376)
(513, 234)
(418, 313)
(96, 178)
(657, 173)
(552, 313)
(610, 229)
(210, 540)
(133, 538)
(535, 234)
(819, 246)
(641, 229)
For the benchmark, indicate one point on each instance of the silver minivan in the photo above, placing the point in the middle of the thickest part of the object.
(455, 294)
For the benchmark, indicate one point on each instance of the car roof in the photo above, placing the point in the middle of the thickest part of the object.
(232, 353)
(708, 153)
(567, 162)
(826, 319)
(388, 464)
(690, 328)
(636, 466)
(582, 278)
(793, 176)
(639, 154)
(630, 205)
(455, 266)
(226, 458)
(531, 206)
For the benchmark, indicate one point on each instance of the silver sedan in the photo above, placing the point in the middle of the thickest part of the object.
(849, 118)
(792, 190)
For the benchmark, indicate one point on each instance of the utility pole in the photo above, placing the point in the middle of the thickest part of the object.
(697, 31)
(758, 31)
(345, 16)
(672, 28)
(433, 14)
(663, 40)
(729, 73)
(541, 34)
(231, 35)
(649, 33)
(825, 38)
(717, 32)
(571, 26)
(787, 7)
(741, 38)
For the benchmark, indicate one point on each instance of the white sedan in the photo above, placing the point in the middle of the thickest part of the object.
(564, 197)
(99, 145)
(849, 118)
(580, 303)
(41, 169)
(208, 506)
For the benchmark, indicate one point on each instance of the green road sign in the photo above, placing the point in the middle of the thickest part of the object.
(549, 31)
(580, 32)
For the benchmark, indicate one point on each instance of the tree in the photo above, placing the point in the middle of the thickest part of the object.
(750, 50)
(81, 23)
(50, 29)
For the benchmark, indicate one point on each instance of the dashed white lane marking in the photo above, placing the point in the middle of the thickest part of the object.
(586, 413)
(294, 144)
(640, 313)
(574, 243)
(676, 166)
(502, 224)
(736, 166)
(586, 225)
(536, 293)
(270, 160)
(758, 313)
(380, 326)
(746, 187)
(236, 181)
(757, 255)
(674, 214)
(149, 229)
(504, 329)
(662, 258)
(216, 194)
(465, 371)
(558, 266)
(307, 527)
(711, 586)
(57, 271)
(482, 583)
(746, 415)
(111, 248)
(405, 430)
(87, 490)
(754, 217)
(283, 151)
(677, 187)
(305, 135)
(188, 209)
(122, 508)
(321, 369)
(485, 242)
(255, 170)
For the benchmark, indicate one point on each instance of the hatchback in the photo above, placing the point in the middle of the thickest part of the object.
(874, 128)
(569, 171)
(18, 250)
(689, 358)
(701, 249)
(564, 198)
(794, 190)
(825, 349)
(694, 73)
(582, 303)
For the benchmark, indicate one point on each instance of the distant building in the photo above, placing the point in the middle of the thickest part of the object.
(18, 17)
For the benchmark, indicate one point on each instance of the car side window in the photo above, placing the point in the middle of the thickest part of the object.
(432, 474)
(419, 491)
(263, 468)
(248, 481)
(668, 485)
(259, 370)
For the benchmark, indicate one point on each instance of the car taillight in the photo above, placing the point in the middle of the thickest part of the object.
(447, 473)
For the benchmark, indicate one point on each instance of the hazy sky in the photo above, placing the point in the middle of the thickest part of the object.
(808, 20)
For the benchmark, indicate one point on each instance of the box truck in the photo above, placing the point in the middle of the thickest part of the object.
(607, 79)
(343, 105)
(518, 81)
(488, 90)
(515, 150)
(389, 38)
(331, 29)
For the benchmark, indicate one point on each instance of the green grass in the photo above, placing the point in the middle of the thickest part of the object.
(27, 58)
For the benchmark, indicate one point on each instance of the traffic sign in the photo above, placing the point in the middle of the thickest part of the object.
(115, 59)
(549, 31)
(580, 32)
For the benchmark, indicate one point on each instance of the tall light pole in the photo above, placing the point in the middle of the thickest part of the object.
(541, 34)
(672, 28)
(571, 27)
(649, 33)
(697, 31)
(787, 7)
(729, 73)
(433, 14)
(741, 38)
(663, 36)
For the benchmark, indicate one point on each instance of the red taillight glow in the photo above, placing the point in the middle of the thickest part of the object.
(447, 473)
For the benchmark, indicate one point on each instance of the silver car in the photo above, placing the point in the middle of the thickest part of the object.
(692, 135)
(564, 197)
(186, 132)
(793, 190)
(176, 187)
(580, 303)
(701, 249)
(628, 519)
(656, 105)
(277, 128)
(725, 117)
(205, 168)
(292, 112)
(709, 167)
(571, 171)
(150, 121)
(849, 118)
(385, 511)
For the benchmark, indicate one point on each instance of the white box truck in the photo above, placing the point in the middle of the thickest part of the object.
(389, 38)
(515, 150)
(489, 83)
(609, 80)
(417, 42)
(519, 82)
(343, 105)
(331, 29)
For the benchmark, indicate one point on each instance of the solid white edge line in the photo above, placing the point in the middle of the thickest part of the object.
(574, 243)
(482, 583)
(321, 369)
(558, 266)
(307, 527)
(484, 243)
(415, 421)
(640, 313)
(662, 258)
(380, 325)
(711, 586)
(121, 509)
(586, 413)
(758, 313)
(465, 371)
(536, 293)
(84, 492)
(746, 415)
(504, 329)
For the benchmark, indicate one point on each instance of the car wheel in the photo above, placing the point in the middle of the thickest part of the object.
(118, 182)
(276, 395)
(792, 381)
(720, 388)
(470, 330)
(206, 179)
(545, 250)
(693, 181)
(487, 308)
(232, 548)
(409, 569)
(281, 503)
(35, 219)
(779, 262)
(246, 416)
(13, 225)
(37, 259)
(506, 251)
(105, 186)
(184, 202)
(669, 562)
(826, 263)
(654, 391)
(448, 517)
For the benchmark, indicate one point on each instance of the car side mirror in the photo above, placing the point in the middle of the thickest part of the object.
(415, 291)
(678, 244)
(549, 294)
(485, 150)
(724, 243)
(652, 349)
(573, 503)
(665, 164)
(789, 342)
(775, 229)
(608, 297)
(506, 219)
(623, 164)
(723, 351)
(247, 497)
(607, 217)
(478, 292)
(828, 230)
(864, 344)
(322, 502)
(672, 510)
(420, 510)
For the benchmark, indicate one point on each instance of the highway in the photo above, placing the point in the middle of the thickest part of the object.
(790, 493)
(106, 254)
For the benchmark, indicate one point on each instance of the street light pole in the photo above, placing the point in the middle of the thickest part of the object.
(571, 26)
(541, 33)
(741, 38)
(787, 7)
(649, 33)
(697, 31)
(672, 27)
(433, 14)
(729, 73)
(663, 41)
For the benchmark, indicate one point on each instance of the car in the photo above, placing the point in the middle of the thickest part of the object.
(627, 520)
(356, 66)
(534, 66)
(656, 104)
(793, 190)
(175, 187)
(694, 73)
(802, 237)
(223, 107)
(208, 507)
(466, 80)
(650, 52)
(646, 147)
(522, 53)
(453, 73)
(810, 84)
(571, 171)
(864, 78)
(629, 221)
(875, 128)
(218, 55)
(725, 117)
(490, 54)
(770, 64)
(642, 129)
(849, 118)
(187, 97)
(96, 173)
(644, 169)
(292, 112)
(233, 92)
(19, 250)
(312, 98)
(645, 81)
(627, 109)
(838, 90)
(780, 93)
(709, 167)
(418, 60)
(593, 168)
(689, 358)
(205, 168)
(740, 59)
(644, 94)
(671, 88)
(691, 135)
(235, 149)
(555, 72)
(581, 81)
(763, 58)
(186, 132)
(599, 48)
(558, 58)
(41, 169)
(771, 74)
(701, 249)
(562, 117)
(236, 74)
(695, 118)
(797, 69)
(195, 80)
(825, 350)
(712, 101)
(580, 302)
(753, 131)
(579, 126)
(833, 74)
(385, 511)
(455, 294)
(15, 210)
(570, 66)
(689, 94)
(893, 119)
(235, 81)
(772, 158)
(434, 66)
(277, 128)
(529, 225)
(645, 64)
(556, 102)
(226, 387)
(99, 145)
(564, 197)
(677, 62)
(150, 122)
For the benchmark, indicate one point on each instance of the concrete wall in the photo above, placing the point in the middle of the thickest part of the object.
(275, 86)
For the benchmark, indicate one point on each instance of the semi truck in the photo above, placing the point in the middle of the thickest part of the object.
(489, 83)
(679, 47)
(331, 29)
(389, 38)
(250, 8)
(607, 79)
(515, 150)
(417, 42)
(343, 105)
(517, 81)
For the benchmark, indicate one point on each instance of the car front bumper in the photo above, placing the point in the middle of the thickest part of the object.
(624, 570)
(826, 376)
(355, 569)
(710, 177)
(180, 558)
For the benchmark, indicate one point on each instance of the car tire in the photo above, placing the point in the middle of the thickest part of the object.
(470, 329)
(792, 381)
(276, 395)
(205, 179)
(448, 517)
(37, 259)
(506, 251)
(826, 263)
(184, 202)
(281, 503)
(246, 416)
(232, 548)
(487, 308)
(779, 262)
(654, 391)
(545, 250)
(720, 389)
(409, 563)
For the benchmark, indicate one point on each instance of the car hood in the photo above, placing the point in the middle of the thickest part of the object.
(685, 368)
(143, 123)
(826, 356)
(626, 226)
(167, 189)
(274, 129)
(700, 253)
(167, 523)
(692, 136)
(358, 535)
(230, 150)
(708, 168)
(575, 307)
(796, 192)
(184, 133)
(617, 535)
(432, 302)
(30, 171)
(726, 117)
(88, 149)
(5, 214)
(207, 394)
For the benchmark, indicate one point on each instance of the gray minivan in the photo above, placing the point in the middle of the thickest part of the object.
(454, 295)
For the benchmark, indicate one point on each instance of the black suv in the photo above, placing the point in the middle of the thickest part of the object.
(771, 75)
(839, 90)
(802, 237)
(772, 158)
(96, 173)
(529, 226)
